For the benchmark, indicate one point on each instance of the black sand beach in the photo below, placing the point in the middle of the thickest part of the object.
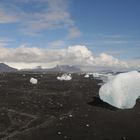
(59, 110)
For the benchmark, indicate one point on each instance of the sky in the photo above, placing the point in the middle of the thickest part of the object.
(89, 33)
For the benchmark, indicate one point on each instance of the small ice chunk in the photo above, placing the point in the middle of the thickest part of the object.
(96, 75)
(102, 76)
(87, 125)
(65, 137)
(59, 133)
(33, 80)
(70, 115)
(64, 77)
(69, 74)
(86, 76)
(121, 90)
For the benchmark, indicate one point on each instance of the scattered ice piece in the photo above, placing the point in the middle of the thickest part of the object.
(2, 114)
(22, 102)
(70, 115)
(101, 76)
(87, 125)
(61, 118)
(121, 90)
(59, 133)
(100, 84)
(61, 105)
(86, 76)
(123, 138)
(96, 75)
(65, 77)
(33, 80)
(69, 74)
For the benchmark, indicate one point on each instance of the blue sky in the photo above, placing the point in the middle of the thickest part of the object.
(108, 26)
(115, 22)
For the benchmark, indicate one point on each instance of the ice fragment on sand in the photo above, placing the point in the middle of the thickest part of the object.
(33, 80)
(122, 90)
(86, 76)
(65, 77)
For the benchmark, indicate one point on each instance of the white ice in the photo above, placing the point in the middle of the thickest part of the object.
(101, 76)
(96, 75)
(121, 90)
(86, 76)
(64, 77)
(33, 80)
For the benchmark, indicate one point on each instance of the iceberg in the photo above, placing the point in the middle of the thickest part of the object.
(86, 76)
(64, 77)
(121, 90)
(33, 80)
(100, 76)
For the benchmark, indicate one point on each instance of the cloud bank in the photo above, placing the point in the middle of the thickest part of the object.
(78, 55)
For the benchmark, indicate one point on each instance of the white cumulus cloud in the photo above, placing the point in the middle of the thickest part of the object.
(77, 55)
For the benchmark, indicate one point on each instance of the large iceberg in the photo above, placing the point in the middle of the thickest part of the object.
(121, 90)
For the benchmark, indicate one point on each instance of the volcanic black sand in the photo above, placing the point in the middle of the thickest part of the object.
(61, 110)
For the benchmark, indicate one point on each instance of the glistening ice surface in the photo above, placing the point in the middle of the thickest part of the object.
(122, 90)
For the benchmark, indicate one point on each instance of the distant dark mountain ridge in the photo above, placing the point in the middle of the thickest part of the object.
(65, 68)
(6, 68)
(58, 68)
